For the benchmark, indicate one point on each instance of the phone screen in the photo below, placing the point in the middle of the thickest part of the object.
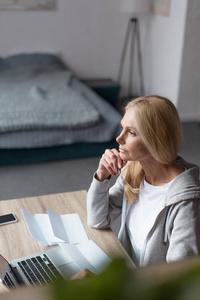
(9, 218)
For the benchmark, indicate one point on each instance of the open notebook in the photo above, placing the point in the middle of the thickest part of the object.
(47, 266)
(73, 253)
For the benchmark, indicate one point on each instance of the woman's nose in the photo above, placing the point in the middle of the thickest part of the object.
(119, 139)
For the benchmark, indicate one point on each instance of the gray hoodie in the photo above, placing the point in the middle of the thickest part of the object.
(175, 234)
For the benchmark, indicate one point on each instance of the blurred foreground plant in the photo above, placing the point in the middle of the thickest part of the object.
(119, 282)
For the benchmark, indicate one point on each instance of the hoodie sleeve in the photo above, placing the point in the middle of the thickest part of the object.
(104, 204)
(184, 230)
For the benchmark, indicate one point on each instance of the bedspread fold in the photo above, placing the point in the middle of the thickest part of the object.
(44, 100)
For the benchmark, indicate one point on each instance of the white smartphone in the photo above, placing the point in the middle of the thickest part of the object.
(8, 218)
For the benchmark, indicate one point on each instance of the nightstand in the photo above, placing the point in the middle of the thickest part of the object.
(106, 88)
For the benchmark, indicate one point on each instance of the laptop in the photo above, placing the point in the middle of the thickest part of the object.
(46, 267)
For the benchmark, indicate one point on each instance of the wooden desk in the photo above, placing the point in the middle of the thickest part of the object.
(16, 241)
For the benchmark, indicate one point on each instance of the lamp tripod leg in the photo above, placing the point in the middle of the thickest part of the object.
(130, 89)
(140, 60)
(124, 50)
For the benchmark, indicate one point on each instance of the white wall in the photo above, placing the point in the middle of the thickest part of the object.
(165, 58)
(189, 91)
(89, 34)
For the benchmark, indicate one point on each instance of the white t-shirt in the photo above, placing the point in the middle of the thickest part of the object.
(141, 216)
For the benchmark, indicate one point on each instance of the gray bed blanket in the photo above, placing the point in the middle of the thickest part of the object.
(33, 100)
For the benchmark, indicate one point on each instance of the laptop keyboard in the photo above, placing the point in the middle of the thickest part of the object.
(8, 281)
(39, 270)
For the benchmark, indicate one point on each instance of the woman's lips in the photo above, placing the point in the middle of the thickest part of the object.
(122, 150)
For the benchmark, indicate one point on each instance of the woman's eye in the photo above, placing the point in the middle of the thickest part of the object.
(132, 133)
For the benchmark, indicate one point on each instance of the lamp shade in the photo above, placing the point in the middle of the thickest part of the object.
(136, 6)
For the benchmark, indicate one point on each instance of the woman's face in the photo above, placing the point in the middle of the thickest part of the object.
(131, 146)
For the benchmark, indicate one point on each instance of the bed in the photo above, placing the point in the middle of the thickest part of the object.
(47, 113)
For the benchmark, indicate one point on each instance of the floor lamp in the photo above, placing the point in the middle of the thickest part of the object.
(132, 34)
(133, 7)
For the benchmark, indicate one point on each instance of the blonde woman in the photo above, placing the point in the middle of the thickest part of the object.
(157, 193)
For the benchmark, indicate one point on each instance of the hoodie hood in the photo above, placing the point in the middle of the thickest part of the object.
(186, 186)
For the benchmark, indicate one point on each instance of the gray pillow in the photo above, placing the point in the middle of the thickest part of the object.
(33, 60)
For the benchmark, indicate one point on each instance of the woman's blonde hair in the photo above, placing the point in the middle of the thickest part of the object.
(158, 124)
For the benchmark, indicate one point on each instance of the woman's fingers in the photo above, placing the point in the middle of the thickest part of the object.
(111, 161)
(110, 164)
(120, 162)
(83, 274)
